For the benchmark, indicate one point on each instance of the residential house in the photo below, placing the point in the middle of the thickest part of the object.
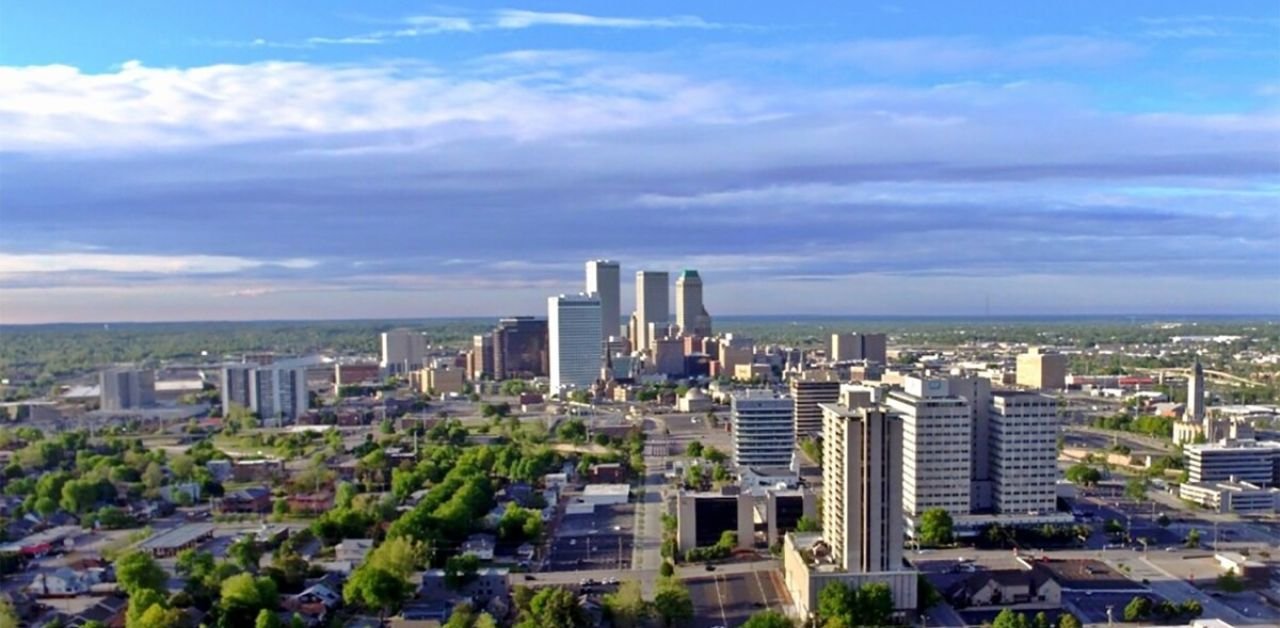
(353, 550)
(255, 499)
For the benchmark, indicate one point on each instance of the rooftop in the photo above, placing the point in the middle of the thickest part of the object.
(607, 489)
(177, 537)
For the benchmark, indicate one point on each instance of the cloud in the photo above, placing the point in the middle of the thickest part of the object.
(515, 19)
(24, 263)
(958, 54)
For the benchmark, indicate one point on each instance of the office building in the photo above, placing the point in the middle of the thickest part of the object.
(691, 314)
(279, 393)
(1042, 370)
(355, 373)
(480, 364)
(1255, 462)
(577, 353)
(667, 357)
(764, 433)
(520, 348)
(438, 380)
(403, 350)
(653, 307)
(868, 347)
(701, 517)
(936, 446)
(862, 488)
(807, 391)
(237, 387)
(126, 389)
(603, 280)
(1024, 452)
(977, 391)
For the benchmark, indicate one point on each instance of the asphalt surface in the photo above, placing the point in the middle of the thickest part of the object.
(730, 599)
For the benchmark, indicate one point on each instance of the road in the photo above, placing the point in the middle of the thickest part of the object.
(646, 549)
(550, 578)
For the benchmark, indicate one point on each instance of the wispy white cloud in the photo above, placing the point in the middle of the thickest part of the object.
(23, 263)
(516, 19)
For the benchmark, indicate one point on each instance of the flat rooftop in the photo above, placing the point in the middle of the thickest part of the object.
(177, 537)
(607, 489)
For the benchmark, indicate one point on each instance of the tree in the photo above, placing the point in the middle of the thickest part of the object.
(375, 588)
(1041, 620)
(1138, 609)
(8, 616)
(136, 571)
(807, 524)
(869, 605)
(153, 476)
(461, 617)
(626, 606)
(672, 603)
(713, 455)
(458, 570)
(267, 619)
(1190, 609)
(936, 527)
(1193, 538)
(1230, 582)
(245, 553)
(927, 596)
(1136, 488)
(1008, 618)
(141, 601)
(243, 596)
(768, 619)
(1067, 620)
(694, 449)
(666, 570)
(554, 606)
(79, 496)
(160, 616)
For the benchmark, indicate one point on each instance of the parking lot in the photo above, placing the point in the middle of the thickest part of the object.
(729, 600)
(601, 540)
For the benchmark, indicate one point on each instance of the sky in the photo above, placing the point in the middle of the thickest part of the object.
(266, 160)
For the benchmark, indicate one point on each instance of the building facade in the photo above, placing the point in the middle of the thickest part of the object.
(807, 392)
(691, 313)
(936, 447)
(481, 358)
(604, 281)
(403, 350)
(854, 346)
(279, 394)
(653, 306)
(126, 389)
(763, 428)
(237, 387)
(1042, 370)
(520, 348)
(1255, 462)
(1024, 452)
(862, 488)
(577, 353)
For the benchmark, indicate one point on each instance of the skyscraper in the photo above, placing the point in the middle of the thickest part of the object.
(237, 387)
(1024, 452)
(577, 355)
(869, 347)
(653, 305)
(124, 389)
(603, 281)
(764, 432)
(808, 391)
(862, 488)
(403, 350)
(1195, 397)
(279, 393)
(520, 348)
(936, 446)
(691, 314)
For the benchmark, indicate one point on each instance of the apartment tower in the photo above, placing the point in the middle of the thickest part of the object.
(862, 488)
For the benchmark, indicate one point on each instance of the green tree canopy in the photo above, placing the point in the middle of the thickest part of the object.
(768, 619)
(936, 527)
(672, 603)
(136, 570)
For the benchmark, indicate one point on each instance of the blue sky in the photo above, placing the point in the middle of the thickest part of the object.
(243, 160)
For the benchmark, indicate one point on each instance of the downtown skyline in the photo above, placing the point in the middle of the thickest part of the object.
(222, 163)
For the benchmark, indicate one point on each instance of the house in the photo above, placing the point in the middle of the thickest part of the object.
(262, 470)
(255, 499)
(488, 590)
(219, 469)
(62, 582)
(109, 611)
(1004, 587)
(608, 473)
(480, 545)
(314, 603)
(353, 550)
(311, 503)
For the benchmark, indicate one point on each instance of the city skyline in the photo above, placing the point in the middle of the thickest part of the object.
(227, 162)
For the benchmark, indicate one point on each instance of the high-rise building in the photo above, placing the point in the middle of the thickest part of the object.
(691, 314)
(764, 432)
(237, 387)
(869, 347)
(862, 488)
(481, 365)
(1195, 395)
(936, 447)
(603, 280)
(807, 391)
(653, 306)
(1042, 370)
(520, 348)
(126, 389)
(279, 393)
(577, 354)
(977, 391)
(403, 350)
(1024, 452)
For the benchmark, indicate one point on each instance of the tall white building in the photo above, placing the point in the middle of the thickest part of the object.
(279, 393)
(125, 389)
(1024, 452)
(862, 488)
(764, 431)
(577, 354)
(403, 350)
(604, 282)
(936, 447)
(653, 306)
(237, 387)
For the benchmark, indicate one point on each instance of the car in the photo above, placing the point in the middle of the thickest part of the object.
(711, 567)
(529, 576)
